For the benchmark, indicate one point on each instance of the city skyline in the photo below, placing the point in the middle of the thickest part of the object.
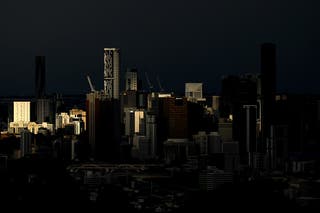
(160, 106)
(203, 41)
(179, 89)
(125, 142)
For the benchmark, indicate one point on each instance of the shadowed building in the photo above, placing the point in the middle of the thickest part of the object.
(44, 108)
(131, 79)
(173, 120)
(238, 93)
(174, 117)
(268, 87)
(268, 93)
(103, 126)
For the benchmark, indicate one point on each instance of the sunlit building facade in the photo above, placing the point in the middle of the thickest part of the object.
(21, 111)
(111, 72)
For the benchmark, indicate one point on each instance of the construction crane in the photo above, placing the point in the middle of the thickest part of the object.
(90, 84)
(148, 81)
(159, 84)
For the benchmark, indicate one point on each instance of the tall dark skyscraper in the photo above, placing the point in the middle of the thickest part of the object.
(40, 77)
(239, 99)
(268, 88)
(43, 104)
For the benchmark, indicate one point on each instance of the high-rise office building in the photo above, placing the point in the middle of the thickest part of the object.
(26, 142)
(21, 111)
(44, 110)
(151, 132)
(268, 87)
(40, 77)
(128, 121)
(103, 126)
(172, 120)
(174, 117)
(128, 99)
(193, 91)
(111, 72)
(140, 122)
(62, 119)
(93, 115)
(238, 102)
(134, 121)
(132, 79)
(78, 114)
(215, 103)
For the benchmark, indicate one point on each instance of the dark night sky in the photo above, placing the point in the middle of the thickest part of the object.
(180, 40)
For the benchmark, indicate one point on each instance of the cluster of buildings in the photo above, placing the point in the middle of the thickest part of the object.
(247, 128)
(39, 123)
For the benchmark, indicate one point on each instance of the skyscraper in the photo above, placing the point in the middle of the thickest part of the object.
(131, 80)
(40, 77)
(111, 73)
(26, 142)
(21, 111)
(103, 125)
(193, 91)
(44, 110)
(268, 87)
(238, 101)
